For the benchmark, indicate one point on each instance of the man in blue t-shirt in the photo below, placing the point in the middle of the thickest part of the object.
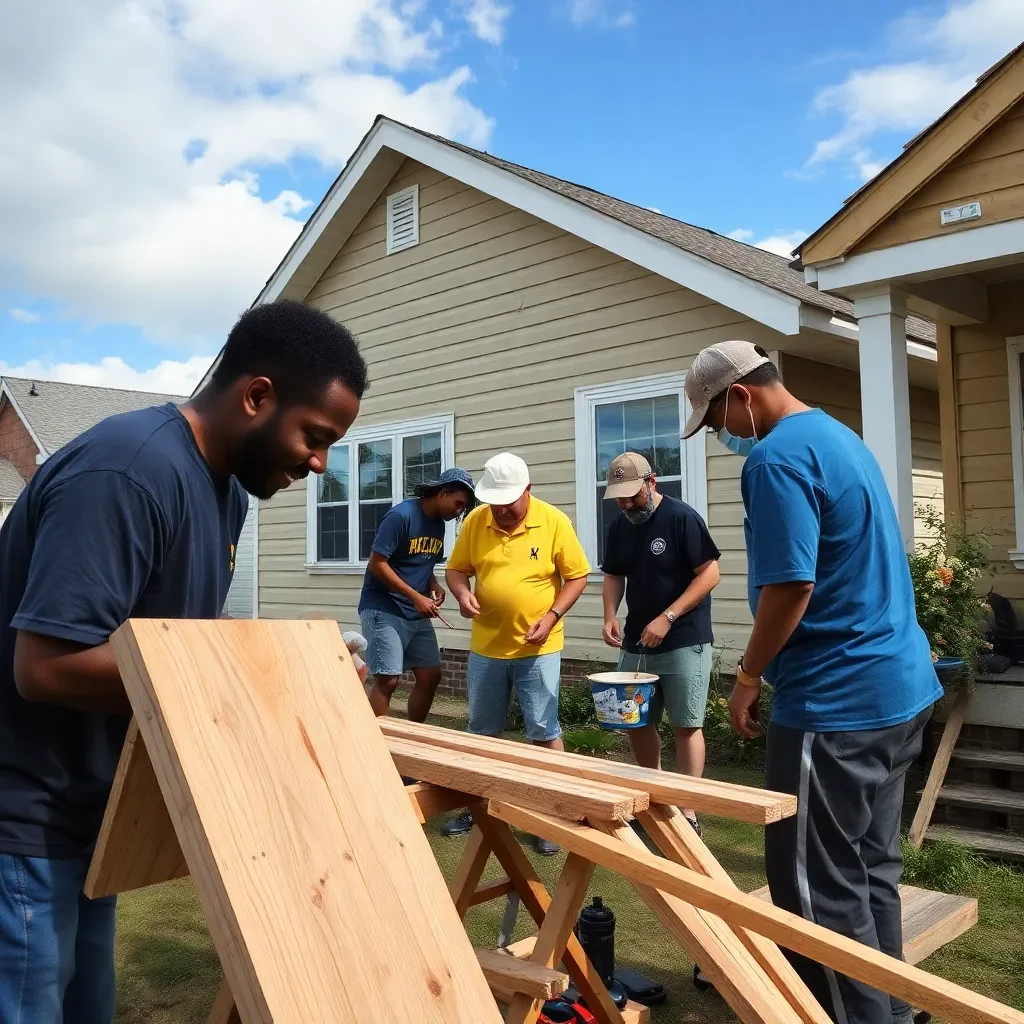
(137, 517)
(401, 596)
(836, 634)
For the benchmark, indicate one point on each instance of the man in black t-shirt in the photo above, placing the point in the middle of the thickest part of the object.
(660, 553)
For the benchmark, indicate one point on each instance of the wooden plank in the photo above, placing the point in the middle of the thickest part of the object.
(940, 765)
(723, 959)
(527, 787)
(224, 1010)
(428, 800)
(508, 976)
(994, 760)
(557, 926)
(989, 798)
(993, 844)
(678, 841)
(930, 919)
(843, 954)
(536, 900)
(468, 873)
(136, 846)
(307, 859)
(706, 796)
(492, 891)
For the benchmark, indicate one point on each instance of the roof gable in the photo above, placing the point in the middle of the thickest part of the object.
(55, 413)
(922, 159)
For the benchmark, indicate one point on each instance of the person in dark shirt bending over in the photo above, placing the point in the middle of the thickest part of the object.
(137, 517)
(401, 595)
(660, 553)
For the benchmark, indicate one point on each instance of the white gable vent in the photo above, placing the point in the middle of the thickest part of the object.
(403, 219)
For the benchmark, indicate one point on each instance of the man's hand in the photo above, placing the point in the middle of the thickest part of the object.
(469, 606)
(541, 629)
(612, 632)
(437, 592)
(655, 631)
(743, 710)
(426, 606)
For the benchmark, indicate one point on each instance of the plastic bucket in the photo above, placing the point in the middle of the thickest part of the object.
(622, 699)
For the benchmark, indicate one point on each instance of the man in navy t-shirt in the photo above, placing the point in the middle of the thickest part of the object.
(137, 517)
(836, 633)
(401, 596)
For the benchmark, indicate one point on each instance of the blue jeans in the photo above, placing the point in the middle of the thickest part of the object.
(56, 946)
(536, 681)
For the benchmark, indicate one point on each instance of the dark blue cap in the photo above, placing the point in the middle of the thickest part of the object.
(454, 476)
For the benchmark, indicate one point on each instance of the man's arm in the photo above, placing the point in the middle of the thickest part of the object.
(780, 607)
(611, 597)
(567, 597)
(705, 579)
(381, 568)
(458, 584)
(55, 671)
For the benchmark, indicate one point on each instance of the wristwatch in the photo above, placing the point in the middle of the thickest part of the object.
(744, 677)
(671, 616)
(557, 614)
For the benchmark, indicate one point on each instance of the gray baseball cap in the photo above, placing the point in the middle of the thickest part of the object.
(714, 369)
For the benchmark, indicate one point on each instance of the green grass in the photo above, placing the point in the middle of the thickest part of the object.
(168, 971)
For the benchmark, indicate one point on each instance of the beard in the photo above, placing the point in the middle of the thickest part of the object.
(639, 516)
(261, 460)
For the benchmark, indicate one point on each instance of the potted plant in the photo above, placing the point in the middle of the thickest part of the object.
(945, 571)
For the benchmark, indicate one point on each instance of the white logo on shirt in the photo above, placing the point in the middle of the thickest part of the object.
(658, 546)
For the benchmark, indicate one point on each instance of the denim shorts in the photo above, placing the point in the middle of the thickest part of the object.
(395, 644)
(56, 946)
(683, 679)
(490, 682)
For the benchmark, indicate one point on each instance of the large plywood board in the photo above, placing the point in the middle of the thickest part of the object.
(321, 892)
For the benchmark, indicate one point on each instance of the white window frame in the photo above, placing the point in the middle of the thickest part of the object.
(1014, 349)
(391, 246)
(692, 453)
(395, 432)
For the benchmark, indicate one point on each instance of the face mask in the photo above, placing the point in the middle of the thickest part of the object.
(639, 516)
(738, 445)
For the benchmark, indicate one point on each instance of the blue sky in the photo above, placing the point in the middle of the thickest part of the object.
(158, 157)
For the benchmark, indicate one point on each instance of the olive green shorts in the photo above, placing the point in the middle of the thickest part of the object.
(682, 688)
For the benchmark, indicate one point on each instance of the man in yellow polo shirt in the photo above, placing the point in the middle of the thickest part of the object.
(530, 569)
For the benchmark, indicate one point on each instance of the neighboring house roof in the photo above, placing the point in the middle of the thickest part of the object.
(56, 413)
(923, 157)
(11, 483)
(752, 281)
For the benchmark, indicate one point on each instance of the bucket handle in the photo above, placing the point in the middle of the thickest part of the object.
(641, 665)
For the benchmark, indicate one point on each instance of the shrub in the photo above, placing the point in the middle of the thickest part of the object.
(588, 741)
(943, 865)
(575, 708)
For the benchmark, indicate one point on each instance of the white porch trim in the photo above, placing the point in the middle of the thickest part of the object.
(944, 254)
(885, 397)
(1014, 349)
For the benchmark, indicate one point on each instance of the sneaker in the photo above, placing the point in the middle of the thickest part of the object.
(545, 847)
(458, 826)
(696, 826)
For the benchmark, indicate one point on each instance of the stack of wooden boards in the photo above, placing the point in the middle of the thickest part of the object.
(257, 766)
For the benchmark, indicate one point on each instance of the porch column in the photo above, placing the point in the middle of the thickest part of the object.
(885, 396)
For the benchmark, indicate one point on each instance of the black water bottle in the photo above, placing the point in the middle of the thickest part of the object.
(596, 931)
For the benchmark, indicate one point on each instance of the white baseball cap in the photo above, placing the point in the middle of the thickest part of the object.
(505, 480)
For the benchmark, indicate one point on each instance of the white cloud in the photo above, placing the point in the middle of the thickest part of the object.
(487, 19)
(24, 316)
(170, 377)
(134, 131)
(608, 13)
(653, 209)
(904, 95)
(782, 243)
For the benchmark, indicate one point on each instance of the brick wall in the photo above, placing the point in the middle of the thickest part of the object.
(16, 443)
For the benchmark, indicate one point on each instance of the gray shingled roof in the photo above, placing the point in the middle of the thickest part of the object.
(58, 413)
(11, 483)
(756, 264)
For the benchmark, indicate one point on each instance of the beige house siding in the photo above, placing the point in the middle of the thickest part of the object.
(496, 317)
(991, 170)
(837, 391)
(983, 416)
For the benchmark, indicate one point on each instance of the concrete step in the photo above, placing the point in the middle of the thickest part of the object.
(984, 798)
(1003, 845)
(975, 757)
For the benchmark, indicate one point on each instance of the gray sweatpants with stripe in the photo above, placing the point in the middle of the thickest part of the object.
(838, 861)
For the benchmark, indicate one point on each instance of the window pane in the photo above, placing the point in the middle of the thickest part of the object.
(370, 517)
(332, 533)
(333, 485)
(674, 489)
(609, 422)
(666, 415)
(421, 461)
(666, 461)
(375, 470)
(638, 420)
